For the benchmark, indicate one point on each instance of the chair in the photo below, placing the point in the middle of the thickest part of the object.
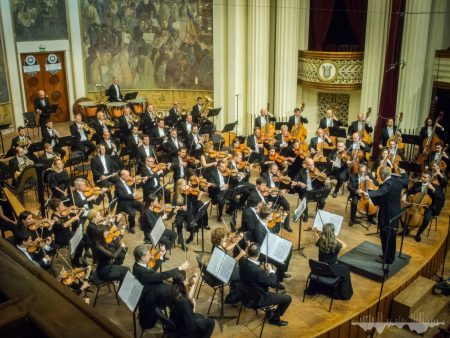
(169, 327)
(29, 119)
(99, 283)
(322, 274)
(249, 298)
(433, 219)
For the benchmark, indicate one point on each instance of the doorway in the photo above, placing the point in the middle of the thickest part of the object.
(46, 71)
(442, 103)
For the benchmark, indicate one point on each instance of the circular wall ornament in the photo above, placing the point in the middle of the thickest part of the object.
(54, 80)
(52, 58)
(327, 71)
(32, 82)
(56, 95)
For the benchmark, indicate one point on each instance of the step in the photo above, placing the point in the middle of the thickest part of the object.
(429, 308)
(407, 301)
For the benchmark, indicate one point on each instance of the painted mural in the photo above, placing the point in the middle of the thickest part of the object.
(39, 19)
(4, 92)
(148, 44)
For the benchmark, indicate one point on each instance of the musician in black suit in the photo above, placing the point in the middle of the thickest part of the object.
(132, 142)
(50, 135)
(126, 123)
(320, 139)
(81, 201)
(99, 126)
(186, 126)
(427, 130)
(196, 110)
(355, 144)
(126, 199)
(103, 166)
(49, 156)
(152, 184)
(114, 93)
(112, 149)
(354, 182)
(41, 104)
(264, 118)
(23, 240)
(148, 120)
(257, 148)
(359, 124)
(387, 132)
(329, 120)
(195, 142)
(339, 169)
(259, 280)
(82, 143)
(155, 292)
(173, 115)
(221, 190)
(149, 218)
(172, 145)
(387, 198)
(437, 195)
(296, 119)
(250, 214)
(145, 150)
(180, 165)
(18, 163)
(159, 134)
(24, 141)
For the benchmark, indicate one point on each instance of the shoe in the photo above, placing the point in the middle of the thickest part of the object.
(418, 238)
(305, 217)
(287, 275)
(219, 219)
(335, 194)
(132, 231)
(190, 239)
(280, 286)
(207, 227)
(165, 258)
(277, 321)
(351, 222)
(288, 228)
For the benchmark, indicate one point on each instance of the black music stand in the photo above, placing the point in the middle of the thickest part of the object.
(411, 139)
(410, 167)
(315, 195)
(73, 161)
(213, 113)
(337, 132)
(299, 220)
(36, 147)
(324, 166)
(199, 215)
(278, 125)
(130, 96)
(229, 127)
(3, 127)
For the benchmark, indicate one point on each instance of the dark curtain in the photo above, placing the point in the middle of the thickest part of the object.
(321, 14)
(356, 13)
(388, 97)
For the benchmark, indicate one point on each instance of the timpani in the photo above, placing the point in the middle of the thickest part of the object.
(115, 109)
(138, 105)
(89, 107)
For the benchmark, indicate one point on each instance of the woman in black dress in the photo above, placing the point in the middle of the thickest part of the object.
(329, 248)
(58, 180)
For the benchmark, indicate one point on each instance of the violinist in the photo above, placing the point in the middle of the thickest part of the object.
(172, 145)
(81, 201)
(308, 179)
(155, 292)
(149, 218)
(274, 157)
(220, 191)
(112, 149)
(132, 142)
(382, 160)
(354, 184)
(145, 150)
(437, 195)
(180, 165)
(50, 135)
(195, 199)
(359, 125)
(58, 180)
(387, 132)
(152, 174)
(77, 280)
(256, 144)
(250, 213)
(184, 214)
(23, 241)
(159, 134)
(103, 169)
(264, 119)
(126, 123)
(272, 178)
(126, 198)
(106, 257)
(297, 120)
(329, 121)
(437, 176)
(49, 156)
(99, 126)
(64, 227)
(207, 161)
(260, 190)
(439, 155)
(319, 142)
(80, 131)
(339, 169)
(195, 142)
(148, 120)
(240, 182)
(298, 152)
(284, 140)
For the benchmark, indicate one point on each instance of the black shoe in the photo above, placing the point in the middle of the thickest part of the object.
(305, 217)
(335, 194)
(287, 275)
(219, 219)
(280, 286)
(288, 228)
(352, 221)
(418, 238)
(132, 231)
(166, 258)
(190, 239)
(277, 322)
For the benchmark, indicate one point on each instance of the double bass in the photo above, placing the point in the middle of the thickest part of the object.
(429, 144)
(268, 131)
(364, 136)
(365, 205)
(397, 137)
(420, 201)
(298, 131)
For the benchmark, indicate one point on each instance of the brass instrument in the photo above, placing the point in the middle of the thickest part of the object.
(109, 123)
(181, 111)
(25, 163)
(24, 143)
(205, 108)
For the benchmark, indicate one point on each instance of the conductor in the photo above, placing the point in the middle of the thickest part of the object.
(387, 198)
(114, 93)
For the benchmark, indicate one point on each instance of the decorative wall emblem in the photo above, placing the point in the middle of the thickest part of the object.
(327, 71)
(31, 66)
(52, 64)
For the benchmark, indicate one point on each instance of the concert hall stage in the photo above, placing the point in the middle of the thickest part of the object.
(363, 260)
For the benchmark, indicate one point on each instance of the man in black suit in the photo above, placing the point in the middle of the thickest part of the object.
(186, 126)
(126, 198)
(196, 110)
(99, 126)
(50, 135)
(427, 130)
(103, 166)
(49, 156)
(194, 142)
(180, 165)
(114, 94)
(387, 132)
(329, 120)
(339, 169)
(437, 195)
(23, 241)
(155, 292)
(317, 143)
(145, 150)
(387, 198)
(148, 120)
(132, 142)
(173, 115)
(354, 183)
(359, 125)
(254, 278)
(264, 118)
(24, 141)
(152, 184)
(172, 145)
(250, 214)
(159, 134)
(82, 142)
(257, 148)
(41, 104)
(296, 119)
(220, 191)
(355, 144)
(126, 123)
(81, 201)
(111, 149)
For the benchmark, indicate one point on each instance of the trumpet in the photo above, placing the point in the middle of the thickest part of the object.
(86, 127)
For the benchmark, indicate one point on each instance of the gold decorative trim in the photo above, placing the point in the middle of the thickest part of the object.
(311, 54)
(441, 85)
(442, 53)
(330, 86)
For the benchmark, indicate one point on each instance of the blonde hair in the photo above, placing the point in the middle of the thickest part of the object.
(217, 236)
(179, 198)
(327, 240)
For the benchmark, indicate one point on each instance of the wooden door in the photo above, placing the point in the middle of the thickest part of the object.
(46, 71)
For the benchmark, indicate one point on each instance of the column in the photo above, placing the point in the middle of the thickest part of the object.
(377, 24)
(257, 59)
(220, 59)
(414, 51)
(286, 57)
(303, 37)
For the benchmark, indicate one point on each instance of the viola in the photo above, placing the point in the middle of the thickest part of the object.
(155, 255)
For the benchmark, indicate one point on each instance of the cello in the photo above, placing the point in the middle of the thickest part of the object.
(420, 201)
(298, 131)
(365, 205)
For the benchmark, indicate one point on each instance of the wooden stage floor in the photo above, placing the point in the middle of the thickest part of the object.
(309, 319)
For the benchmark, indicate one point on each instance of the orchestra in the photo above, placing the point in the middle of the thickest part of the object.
(157, 172)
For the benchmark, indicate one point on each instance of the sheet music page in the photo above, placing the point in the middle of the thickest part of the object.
(75, 240)
(157, 231)
(300, 209)
(130, 291)
(280, 251)
(215, 261)
(323, 217)
(226, 269)
(264, 245)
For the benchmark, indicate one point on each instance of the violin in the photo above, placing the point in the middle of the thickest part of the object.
(189, 190)
(36, 245)
(155, 255)
(302, 151)
(113, 233)
(230, 172)
(271, 191)
(165, 208)
(39, 223)
(282, 179)
(316, 174)
(135, 180)
(70, 211)
(244, 149)
(231, 240)
(198, 181)
(73, 275)
(277, 217)
(243, 165)
(92, 191)
(157, 167)
(218, 154)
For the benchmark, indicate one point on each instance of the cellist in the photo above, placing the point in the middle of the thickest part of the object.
(354, 183)
(357, 150)
(339, 169)
(437, 196)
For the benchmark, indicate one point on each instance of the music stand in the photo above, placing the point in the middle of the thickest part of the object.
(3, 127)
(410, 166)
(338, 132)
(327, 166)
(327, 151)
(199, 215)
(130, 96)
(228, 128)
(278, 125)
(73, 161)
(36, 147)
(315, 195)
(213, 113)
(297, 217)
(411, 139)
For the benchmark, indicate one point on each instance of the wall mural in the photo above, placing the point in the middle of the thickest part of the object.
(5, 106)
(39, 19)
(148, 44)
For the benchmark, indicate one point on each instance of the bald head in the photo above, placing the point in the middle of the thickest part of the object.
(41, 94)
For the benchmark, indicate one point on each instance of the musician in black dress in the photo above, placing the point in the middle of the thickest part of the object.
(59, 181)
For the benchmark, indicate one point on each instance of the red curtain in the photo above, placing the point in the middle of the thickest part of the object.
(356, 13)
(388, 97)
(321, 14)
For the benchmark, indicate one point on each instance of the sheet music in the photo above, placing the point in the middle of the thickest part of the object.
(130, 291)
(323, 217)
(157, 231)
(221, 265)
(215, 261)
(75, 240)
(279, 248)
(300, 209)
